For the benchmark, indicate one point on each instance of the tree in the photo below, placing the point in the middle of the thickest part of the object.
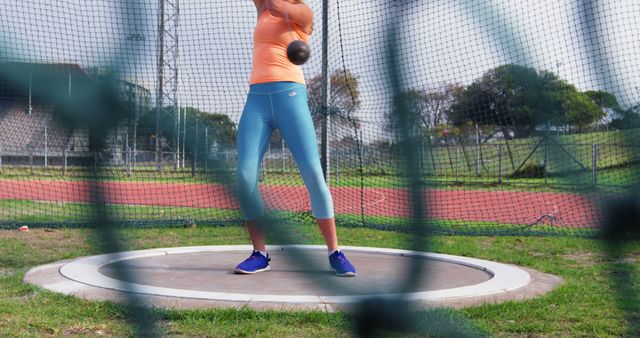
(608, 103)
(414, 102)
(427, 109)
(436, 103)
(347, 142)
(344, 100)
(580, 110)
(604, 100)
(627, 119)
(220, 128)
(517, 99)
(618, 117)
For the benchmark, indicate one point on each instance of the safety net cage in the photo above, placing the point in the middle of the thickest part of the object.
(524, 114)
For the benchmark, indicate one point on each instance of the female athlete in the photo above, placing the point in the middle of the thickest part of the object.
(278, 99)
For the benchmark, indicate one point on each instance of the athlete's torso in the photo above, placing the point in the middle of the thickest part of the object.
(270, 40)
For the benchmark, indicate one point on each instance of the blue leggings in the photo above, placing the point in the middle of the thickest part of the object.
(281, 105)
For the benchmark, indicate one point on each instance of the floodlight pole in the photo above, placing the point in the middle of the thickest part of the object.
(167, 71)
(30, 92)
(160, 79)
(178, 125)
(324, 156)
(184, 135)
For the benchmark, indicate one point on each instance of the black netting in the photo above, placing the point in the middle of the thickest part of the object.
(525, 114)
(446, 117)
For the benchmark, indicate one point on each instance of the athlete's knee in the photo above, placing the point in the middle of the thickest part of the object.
(247, 176)
(318, 187)
(314, 177)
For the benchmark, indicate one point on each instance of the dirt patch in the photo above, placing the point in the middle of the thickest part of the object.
(92, 331)
(593, 258)
(586, 258)
(5, 272)
(536, 254)
(629, 259)
(45, 236)
(20, 297)
(38, 246)
(488, 242)
(42, 232)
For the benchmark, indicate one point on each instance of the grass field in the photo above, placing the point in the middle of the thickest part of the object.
(14, 213)
(600, 295)
(590, 303)
(50, 212)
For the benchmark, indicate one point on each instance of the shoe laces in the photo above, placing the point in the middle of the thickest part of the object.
(256, 255)
(341, 257)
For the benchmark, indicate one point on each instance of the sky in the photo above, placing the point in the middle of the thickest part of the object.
(439, 42)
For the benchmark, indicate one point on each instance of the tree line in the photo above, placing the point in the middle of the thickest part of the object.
(514, 101)
(508, 101)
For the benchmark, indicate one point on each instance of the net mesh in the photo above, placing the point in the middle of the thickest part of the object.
(525, 115)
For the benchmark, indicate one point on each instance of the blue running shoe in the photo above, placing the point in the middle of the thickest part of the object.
(255, 263)
(341, 265)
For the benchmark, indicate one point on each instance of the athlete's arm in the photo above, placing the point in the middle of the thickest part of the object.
(300, 14)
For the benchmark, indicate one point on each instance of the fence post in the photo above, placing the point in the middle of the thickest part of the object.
(457, 163)
(126, 142)
(194, 161)
(95, 160)
(594, 164)
(499, 163)
(0, 158)
(337, 167)
(64, 162)
(177, 158)
(325, 94)
(135, 138)
(46, 147)
(176, 155)
(184, 137)
(546, 152)
(206, 149)
(283, 160)
(128, 159)
(478, 158)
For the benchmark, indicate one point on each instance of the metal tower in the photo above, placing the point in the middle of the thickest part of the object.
(167, 66)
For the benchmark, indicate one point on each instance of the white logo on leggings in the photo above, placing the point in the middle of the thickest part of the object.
(293, 93)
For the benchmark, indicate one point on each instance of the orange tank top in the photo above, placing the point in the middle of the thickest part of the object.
(270, 40)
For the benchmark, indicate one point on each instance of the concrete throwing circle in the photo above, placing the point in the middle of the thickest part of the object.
(205, 274)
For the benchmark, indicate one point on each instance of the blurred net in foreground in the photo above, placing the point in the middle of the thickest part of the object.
(525, 116)
(517, 118)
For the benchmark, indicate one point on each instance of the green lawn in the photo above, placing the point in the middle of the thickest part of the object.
(14, 213)
(595, 300)
(63, 213)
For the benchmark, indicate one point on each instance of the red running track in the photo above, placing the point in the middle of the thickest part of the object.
(503, 207)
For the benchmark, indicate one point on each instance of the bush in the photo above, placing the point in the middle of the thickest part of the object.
(530, 170)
